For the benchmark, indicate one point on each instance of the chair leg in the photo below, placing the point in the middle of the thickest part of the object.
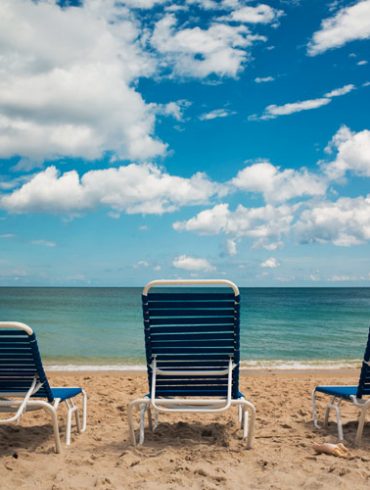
(130, 421)
(53, 413)
(314, 410)
(84, 411)
(360, 427)
(339, 420)
(143, 408)
(130, 413)
(329, 406)
(150, 419)
(240, 416)
(249, 416)
(70, 410)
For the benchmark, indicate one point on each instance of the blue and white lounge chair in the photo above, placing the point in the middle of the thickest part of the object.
(192, 351)
(24, 385)
(352, 394)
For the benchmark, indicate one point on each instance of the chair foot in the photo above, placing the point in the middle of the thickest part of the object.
(248, 421)
(143, 404)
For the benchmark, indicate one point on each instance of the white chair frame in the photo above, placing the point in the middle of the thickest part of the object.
(246, 410)
(335, 403)
(19, 403)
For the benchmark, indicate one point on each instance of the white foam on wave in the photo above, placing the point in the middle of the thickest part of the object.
(262, 364)
(301, 365)
(96, 367)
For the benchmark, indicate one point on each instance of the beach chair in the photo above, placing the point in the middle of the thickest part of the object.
(353, 394)
(192, 351)
(24, 385)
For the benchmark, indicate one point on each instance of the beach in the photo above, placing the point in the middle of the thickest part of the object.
(188, 450)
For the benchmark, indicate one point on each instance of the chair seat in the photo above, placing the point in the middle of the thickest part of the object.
(340, 391)
(65, 393)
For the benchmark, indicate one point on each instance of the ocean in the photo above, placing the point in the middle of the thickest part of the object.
(280, 327)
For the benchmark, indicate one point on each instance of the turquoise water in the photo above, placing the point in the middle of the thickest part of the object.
(278, 325)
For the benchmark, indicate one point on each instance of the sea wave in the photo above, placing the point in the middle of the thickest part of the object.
(263, 364)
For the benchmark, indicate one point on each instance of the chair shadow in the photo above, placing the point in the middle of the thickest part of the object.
(349, 432)
(18, 437)
(184, 434)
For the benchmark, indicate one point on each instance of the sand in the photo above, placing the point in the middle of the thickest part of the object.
(188, 450)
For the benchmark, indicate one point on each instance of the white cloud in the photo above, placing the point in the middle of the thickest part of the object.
(132, 189)
(265, 225)
(66, 86)
(143, 4)
(344, 222)
(346, 89)
(264, 79)
(172, 109)
(272, 111)
(44, 243)
(278, 185)
(192, 263)
(197, 52)
(260, 14)
(270, 263)
(141, 264)
(348, 24)
(7, 236)
(231, 247)
(215, 114)
(362, 62)
(353, 153)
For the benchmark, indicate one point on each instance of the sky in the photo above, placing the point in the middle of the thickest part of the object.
(152, 139)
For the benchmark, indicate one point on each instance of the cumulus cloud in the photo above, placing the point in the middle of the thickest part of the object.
(143, 4)
(270, 263)
(279, 185)
(260, 14)
(344, 222)
(216, 114)
(352, 153)
(132, 189)
(196, 52)
(67, 83)
(192, 263)
(348, 24)
(231, 247)
(264, 225)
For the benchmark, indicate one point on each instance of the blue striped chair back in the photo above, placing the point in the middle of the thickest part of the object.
(20, 362)
(192, 329)
(364, 381)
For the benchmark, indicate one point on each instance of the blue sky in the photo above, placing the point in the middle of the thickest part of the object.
(148, 139)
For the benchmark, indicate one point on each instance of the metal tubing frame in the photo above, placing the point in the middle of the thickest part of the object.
(27, 404)
(334, 402)
(247, 422)
(191, 282)
(189, 405)
(247, 411)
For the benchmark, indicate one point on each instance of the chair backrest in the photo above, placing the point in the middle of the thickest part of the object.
(20, 361)
(192, 326)
(364, 381)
